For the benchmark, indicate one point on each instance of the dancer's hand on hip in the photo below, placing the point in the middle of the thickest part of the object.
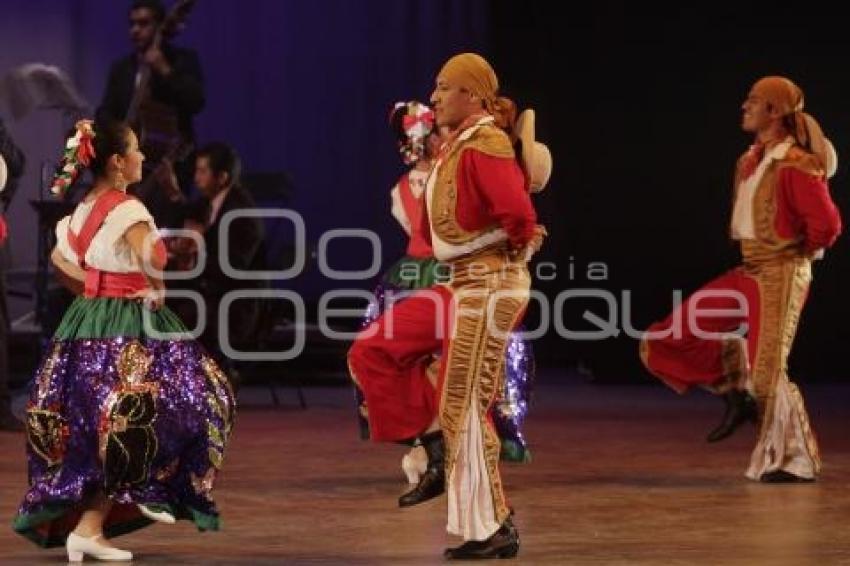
(150, 298)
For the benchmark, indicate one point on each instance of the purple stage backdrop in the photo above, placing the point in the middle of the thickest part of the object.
(302, 87)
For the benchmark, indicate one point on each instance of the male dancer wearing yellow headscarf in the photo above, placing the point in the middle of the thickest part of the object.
(482, 225)
(783, 218)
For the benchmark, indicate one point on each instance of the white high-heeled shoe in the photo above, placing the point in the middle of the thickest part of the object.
(78, 547)
(414, 464)
(160, 516)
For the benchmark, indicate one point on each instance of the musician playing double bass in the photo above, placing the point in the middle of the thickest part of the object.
(159, 89)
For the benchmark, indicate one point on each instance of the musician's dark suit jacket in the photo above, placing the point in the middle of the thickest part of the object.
(183, 89)
(246, 251)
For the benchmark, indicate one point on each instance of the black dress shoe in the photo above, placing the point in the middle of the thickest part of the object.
(504, 543)
(781, 476)
(740, 408)
(9, 423)
(433, 482)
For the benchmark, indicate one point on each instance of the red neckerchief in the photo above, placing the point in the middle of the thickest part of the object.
(752, 159)
(754, 156)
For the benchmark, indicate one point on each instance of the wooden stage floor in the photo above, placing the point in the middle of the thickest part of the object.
(621, 475)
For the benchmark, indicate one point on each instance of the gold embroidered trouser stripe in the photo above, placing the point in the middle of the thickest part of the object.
(490, 294)
(783, 286)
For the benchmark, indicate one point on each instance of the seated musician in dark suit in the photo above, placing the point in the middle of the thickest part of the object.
(217, 170)
(163, 112)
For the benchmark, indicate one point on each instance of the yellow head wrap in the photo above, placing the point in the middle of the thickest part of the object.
(473, 73)
(788, 99)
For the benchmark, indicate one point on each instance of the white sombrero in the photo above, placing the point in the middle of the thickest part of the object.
(4, 173)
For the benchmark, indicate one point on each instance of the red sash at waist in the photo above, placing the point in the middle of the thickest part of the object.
(108, 284)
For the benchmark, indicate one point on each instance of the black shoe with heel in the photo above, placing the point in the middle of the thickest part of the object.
(433, 482)
(781, 476)
(504, 543)
(740, 408)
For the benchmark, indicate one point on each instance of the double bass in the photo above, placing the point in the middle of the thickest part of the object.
(156, 123)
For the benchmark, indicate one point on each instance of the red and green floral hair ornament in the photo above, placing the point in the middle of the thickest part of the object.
(78, 153)
(413, 122)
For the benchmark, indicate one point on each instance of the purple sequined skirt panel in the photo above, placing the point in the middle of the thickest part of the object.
(143, 421)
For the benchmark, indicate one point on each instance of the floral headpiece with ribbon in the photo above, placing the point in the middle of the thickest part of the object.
(78, 153)
(417, 123)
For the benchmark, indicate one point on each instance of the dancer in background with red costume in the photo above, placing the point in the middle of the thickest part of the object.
(12, 161)
(783, 218)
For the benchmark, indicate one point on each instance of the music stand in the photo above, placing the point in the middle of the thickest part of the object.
(36, 86)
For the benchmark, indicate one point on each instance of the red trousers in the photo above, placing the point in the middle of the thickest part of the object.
(695, 345)
(686, 354)
(393, 355)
